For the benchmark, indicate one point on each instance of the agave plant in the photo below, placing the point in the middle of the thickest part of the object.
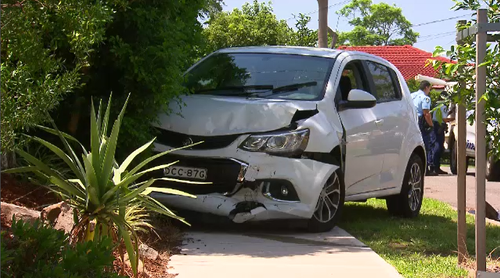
(101, 189)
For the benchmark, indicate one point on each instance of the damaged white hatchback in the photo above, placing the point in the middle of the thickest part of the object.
(293, 133)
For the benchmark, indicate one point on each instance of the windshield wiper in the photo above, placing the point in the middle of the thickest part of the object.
(238, 88)
(294, 87)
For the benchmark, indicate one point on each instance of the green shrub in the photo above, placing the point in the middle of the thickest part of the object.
(412, 85)
(38, 250)
(102, 189)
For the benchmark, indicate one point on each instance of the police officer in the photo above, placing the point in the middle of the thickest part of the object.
(440, 121)
(422, 103)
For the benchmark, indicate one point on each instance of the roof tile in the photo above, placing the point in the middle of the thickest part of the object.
(410, 60)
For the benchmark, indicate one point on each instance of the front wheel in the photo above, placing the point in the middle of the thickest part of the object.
(329, 206)
(408, 203)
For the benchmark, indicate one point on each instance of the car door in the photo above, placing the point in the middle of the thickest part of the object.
(362, 158)
(391, 119)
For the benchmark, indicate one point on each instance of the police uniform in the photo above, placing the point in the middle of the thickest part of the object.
(421, 101)
(439, 130)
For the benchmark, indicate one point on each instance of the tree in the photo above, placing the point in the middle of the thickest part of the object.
(148, 47)
(56, 55)
(303, 36)
(45, 47)
(254, 24)
(376, 24)
(463, 72)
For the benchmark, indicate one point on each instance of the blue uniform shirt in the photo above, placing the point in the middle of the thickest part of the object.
(444, 113)
(421, 102)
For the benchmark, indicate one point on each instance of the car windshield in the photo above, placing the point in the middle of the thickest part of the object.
(283, 76)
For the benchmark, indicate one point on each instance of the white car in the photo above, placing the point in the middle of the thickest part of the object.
(293, 133)
(492, 164)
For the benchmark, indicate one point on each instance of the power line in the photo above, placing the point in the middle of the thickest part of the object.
(440, 20)
(313, 12)
(437, 36)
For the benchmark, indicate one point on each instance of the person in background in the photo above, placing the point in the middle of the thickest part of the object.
(440, 119)
(422, 103)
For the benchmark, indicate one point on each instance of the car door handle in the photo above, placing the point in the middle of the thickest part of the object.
(379, 122)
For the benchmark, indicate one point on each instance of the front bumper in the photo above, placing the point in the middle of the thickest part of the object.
(246, 185)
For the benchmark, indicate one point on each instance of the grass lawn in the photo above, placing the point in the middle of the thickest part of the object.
(421, 247)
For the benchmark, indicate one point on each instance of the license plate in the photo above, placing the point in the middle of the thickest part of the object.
(185, 172)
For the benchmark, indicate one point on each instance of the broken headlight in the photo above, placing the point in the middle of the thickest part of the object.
(286, 143)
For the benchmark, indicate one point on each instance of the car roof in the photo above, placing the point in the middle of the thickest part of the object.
(297, 50)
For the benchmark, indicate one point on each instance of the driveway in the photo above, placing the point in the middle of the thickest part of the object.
(444, 188)
(264, 253)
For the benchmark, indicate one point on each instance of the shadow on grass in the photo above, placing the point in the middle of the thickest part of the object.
(433, 232)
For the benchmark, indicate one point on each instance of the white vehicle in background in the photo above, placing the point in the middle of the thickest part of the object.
(451, 137)
(492, 165)
(292, 133)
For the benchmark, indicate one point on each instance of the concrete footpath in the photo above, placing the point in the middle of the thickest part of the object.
(277, 254)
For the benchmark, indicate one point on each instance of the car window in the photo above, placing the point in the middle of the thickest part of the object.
(277, 76)
(352, 77)
(383, 79)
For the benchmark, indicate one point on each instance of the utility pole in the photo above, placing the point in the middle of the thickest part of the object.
(461, 171)
(480, 30)
(323, 23)
(481, 39)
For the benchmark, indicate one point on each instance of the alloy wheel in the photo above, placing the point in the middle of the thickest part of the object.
(329, 200)
(415, 182)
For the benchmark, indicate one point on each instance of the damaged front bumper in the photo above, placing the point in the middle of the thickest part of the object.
(250, 186)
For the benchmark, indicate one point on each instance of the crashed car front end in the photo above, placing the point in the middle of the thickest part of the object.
(249, 185)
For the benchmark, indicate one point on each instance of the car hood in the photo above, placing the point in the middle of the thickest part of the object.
(205, 115)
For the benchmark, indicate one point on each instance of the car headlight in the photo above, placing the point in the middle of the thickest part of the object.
(285, 143)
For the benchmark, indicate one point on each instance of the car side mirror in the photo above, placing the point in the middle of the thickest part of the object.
(357, 99)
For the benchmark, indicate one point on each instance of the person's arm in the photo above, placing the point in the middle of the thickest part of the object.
(428, 117)
(446, 115)
(426, 107)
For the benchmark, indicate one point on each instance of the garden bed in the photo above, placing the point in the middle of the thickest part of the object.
(166, 240)
(25, 194)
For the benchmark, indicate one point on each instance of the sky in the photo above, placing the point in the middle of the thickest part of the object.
(416, 11)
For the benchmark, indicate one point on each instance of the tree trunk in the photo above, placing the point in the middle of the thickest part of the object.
(323, 23)
(8, 160)
(75, 115)
(334, 37)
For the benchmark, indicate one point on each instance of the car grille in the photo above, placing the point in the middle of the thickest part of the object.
(223, 173)
(176, 140)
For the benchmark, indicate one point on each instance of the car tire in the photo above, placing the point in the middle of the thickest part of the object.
(329, 206)
(454, 158)
(407, 204)
(493, 169)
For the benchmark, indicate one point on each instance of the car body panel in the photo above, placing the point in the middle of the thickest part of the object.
(230, 115)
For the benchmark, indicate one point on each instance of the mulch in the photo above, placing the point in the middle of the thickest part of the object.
(166, 239)
(23, 193)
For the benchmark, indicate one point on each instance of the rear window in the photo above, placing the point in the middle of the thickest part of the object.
(386, 89)
(281, 76)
